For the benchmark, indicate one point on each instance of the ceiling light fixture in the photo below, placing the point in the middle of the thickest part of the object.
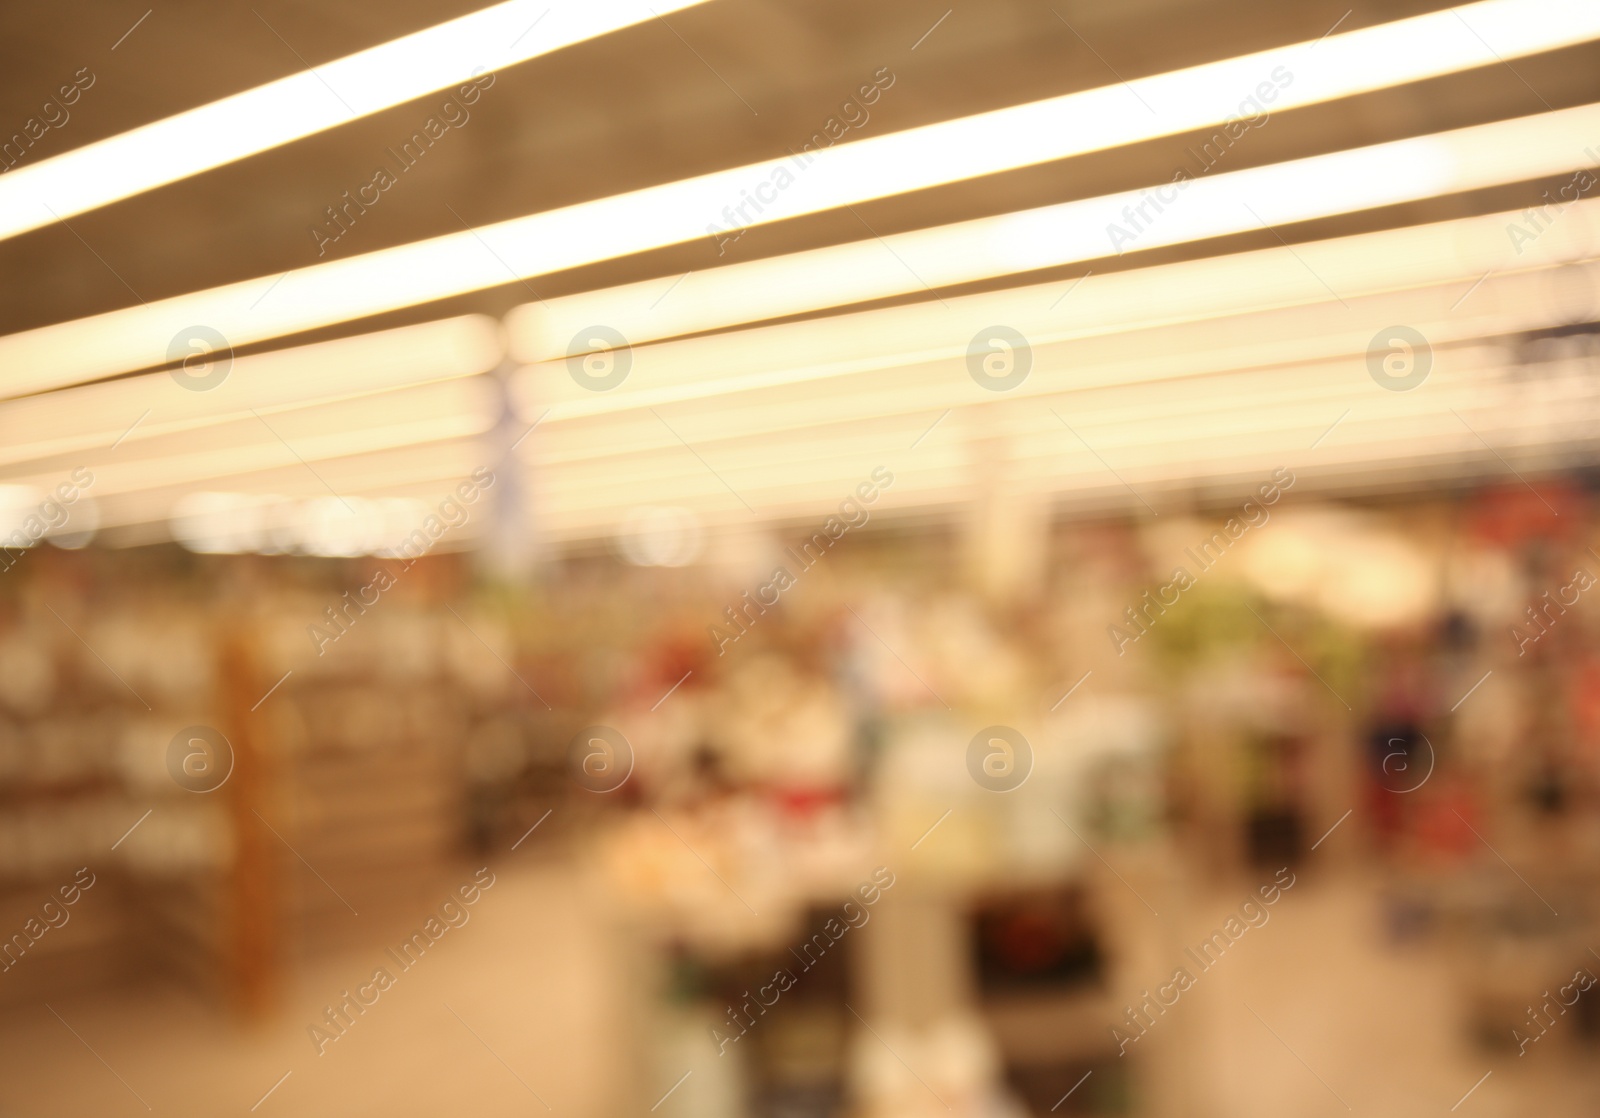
(1358, 61)
(303, 104)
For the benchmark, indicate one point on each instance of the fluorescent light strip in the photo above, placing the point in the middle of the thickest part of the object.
(1104, 389)
(1152, 452)
(91, 418)
(791, 430)
(432, 468)
(1127, 308)
(1370, 448)
(1268, 413)
(324, 294)
(1190, 423)
(1117, 421)
(1470, 158)
(406, 417)
(312, 101)
(1224, 419)
(1451, 255)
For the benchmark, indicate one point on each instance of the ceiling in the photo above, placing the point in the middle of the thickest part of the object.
(724, 84)
(721, 85)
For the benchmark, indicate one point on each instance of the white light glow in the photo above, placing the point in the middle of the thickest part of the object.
(232, 522)
(1237, 202)
(1339, 65)
(766, 401)
(80, 527)
(220, 523)
(19, 512)
(660, 537)
(1198, 369)
(423, 471)
(308, 102)
(125, 413)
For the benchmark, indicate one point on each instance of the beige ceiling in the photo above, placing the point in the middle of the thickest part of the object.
(726, 84)
(720, 85)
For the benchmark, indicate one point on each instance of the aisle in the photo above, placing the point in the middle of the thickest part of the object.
(528, 976)
(1314, 1007)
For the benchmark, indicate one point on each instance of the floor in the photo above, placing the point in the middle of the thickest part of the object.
(1318, 1012)
(508, 1014)
(531, 1008)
